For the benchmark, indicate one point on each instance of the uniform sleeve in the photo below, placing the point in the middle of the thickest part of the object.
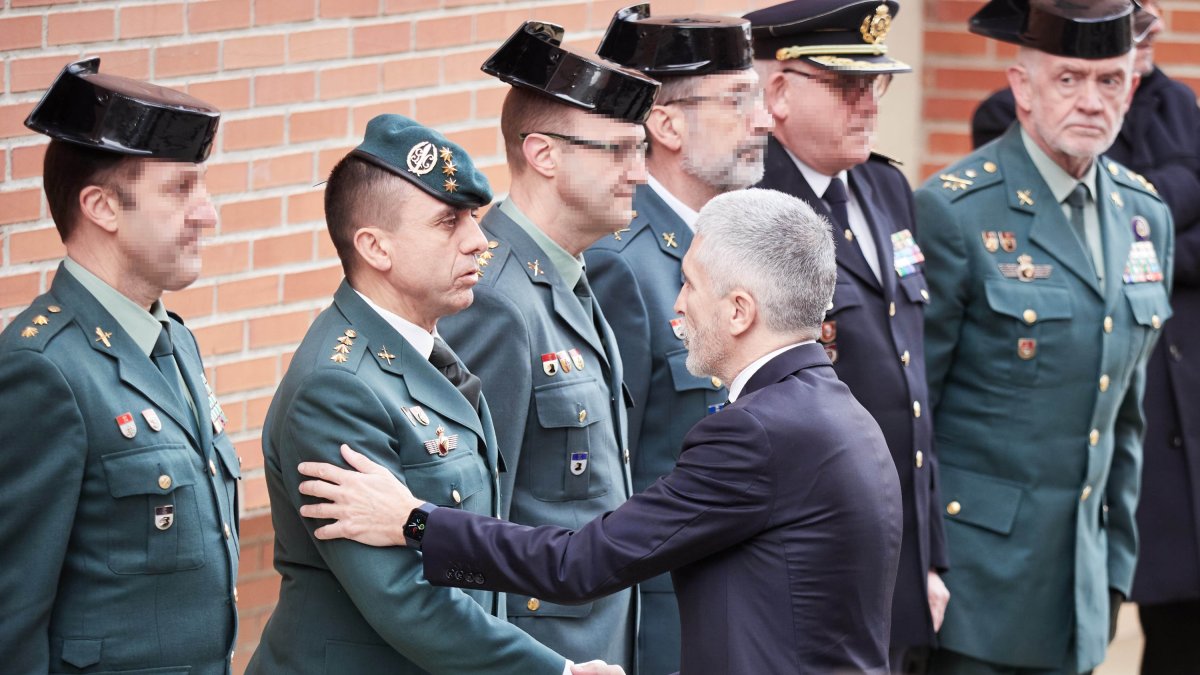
(422, 622)
(624, 307)
(43, 452)
(993, 117)
(947, 272)
(492, 339)
(718, 496)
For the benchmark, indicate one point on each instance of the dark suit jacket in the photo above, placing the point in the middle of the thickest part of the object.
(1161, 140)
(781, 525)
(877, 336)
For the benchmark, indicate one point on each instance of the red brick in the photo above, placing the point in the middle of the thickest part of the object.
(364, 113)
(955, 11)
(488, 102)
(228, 177)
(325, 248)
(349, 81)
(246, 375)
(226, 258)
(318, 283)
(280, 329)
(19, 290)
(958, 43)
(193, 302)
(221, 338)
(1182, 53)
(255, 132)
(410, 73)
(75, 27)
(280, 88)
(35, 245)
(312, 125)
(133, 63)
(250, 450)
(37, 3)
(402, 6)
(294, 169)
(20, 32)
(150, 20)
(257, 529)
(464, 67)
(318, 45)
(268, 12)
(35, 73)
(306, 207)
(1183, 21)
(211, 15)
(254, 52)
(226, 95)
(444, 108)
(253, 214)
(256, 415)
(254, 496)
(444, 32)
(965, 79)
(248, 293)
(336, 9)
(264, 589)
(479, 142)
(19, 206)
(950, 109)
(190, 58)
(12, 119)
(283, 250)
(950, 143)
(497, 175)
(384, 38)
(27, 161)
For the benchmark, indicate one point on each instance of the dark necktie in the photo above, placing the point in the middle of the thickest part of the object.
(583, 293)
(443, 359)
(163, 356)
(1077, 200)
(836, 197)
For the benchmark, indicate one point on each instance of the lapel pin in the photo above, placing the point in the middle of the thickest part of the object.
(164, 516)
(564, 361)
(677, 328)
(579, 462)
(126, 424)
(550, 364)
(669, 239)
(419, 413)
(535, 267)
(385, 355)
(991, 241)
(102, 336)
(152, 419)
(618, 233)
(1025, 197)
(577, 359)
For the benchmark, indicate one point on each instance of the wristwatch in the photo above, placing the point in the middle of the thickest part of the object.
(414, 527)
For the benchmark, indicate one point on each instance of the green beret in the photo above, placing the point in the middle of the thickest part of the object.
(425, 158)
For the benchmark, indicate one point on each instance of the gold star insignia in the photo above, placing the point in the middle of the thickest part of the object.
(447, 155)
(386, 356)
(450, 185)
(342, 349)
(40, 320)
(102, 336)
(338, 358)
(28, 332)
(449, 169)
(345, 340)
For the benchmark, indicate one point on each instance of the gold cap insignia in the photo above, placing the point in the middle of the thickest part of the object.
(450, 185)
(876, 26)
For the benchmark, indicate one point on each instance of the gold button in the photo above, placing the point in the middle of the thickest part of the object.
(989, 167)
(905, 358)
(625, 455)
(582, 416)
(925, 295)
(1087, 492)
(953, 508)
(716, 381)
(920, 459)
(1094, 437)
(1156, 322)
(235, 599)
(228, 532)
(533, 604)
(164, 481)
(849, 235)
(1030, 316)
(892, 309)
(1104, 382)
(456, 496)
(916, 408)
(54, 309)
(1108, 324)
(212, 468)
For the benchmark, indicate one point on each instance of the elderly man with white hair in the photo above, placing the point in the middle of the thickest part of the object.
(781, 522)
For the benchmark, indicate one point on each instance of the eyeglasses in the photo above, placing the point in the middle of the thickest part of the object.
(622, 151)
(851, 87)
(744, 102)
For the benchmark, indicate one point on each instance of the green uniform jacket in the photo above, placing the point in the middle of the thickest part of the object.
(91, 578)
(1036, 389)
(347, 608)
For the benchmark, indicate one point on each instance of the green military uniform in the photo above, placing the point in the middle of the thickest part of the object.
(1036, 362)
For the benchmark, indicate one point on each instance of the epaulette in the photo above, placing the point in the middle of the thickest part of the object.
(342, 350)
(969, 176)
(1128, 177)
(41, 321)
(880, 157)
(491, 261)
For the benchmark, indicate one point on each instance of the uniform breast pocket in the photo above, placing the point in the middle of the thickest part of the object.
(1150, 307)
(915, 289)
(1032, 323)
(694, 396)
(459, 481)
(569, 461)
(154, 524)
(845, 296)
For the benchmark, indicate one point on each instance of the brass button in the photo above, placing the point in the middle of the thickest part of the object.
(716, 382)
(212, 468)
(533, 604)
(925, 295)
(164, 482)
(916, 408)
(1108, 324)
(892, 309)
(1094, 437)
(54, 309)
(582, 416)
(1104, 382)
(920, 459)
(625, 455)
(1156, 322)
(456, 496)
(1087, 492)
(228, 532)
(849, 235)
(235, 598)
(953, 508)
(989, 167)
(905, 358)
(1030, 316)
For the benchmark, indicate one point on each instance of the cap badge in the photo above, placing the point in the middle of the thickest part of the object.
(422, 158)
(876, 26)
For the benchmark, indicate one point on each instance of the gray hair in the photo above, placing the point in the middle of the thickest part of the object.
(774, 247)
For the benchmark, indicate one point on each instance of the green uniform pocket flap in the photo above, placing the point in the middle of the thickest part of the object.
(1149, 304)
(979, 500)
(682, 378)
(1016, 299)
(81, 653)
(576, 403)
(448, 483)
(228, 455)
(155, 470)
(525, 606)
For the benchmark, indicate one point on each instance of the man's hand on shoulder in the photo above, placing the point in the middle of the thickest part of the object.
(367, 504)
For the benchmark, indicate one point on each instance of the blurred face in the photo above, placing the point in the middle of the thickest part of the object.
(727, 125)
(707, 344)
(829, 117)
(1143, 63)
(600, 163)
(1073, 107)
(162, 212)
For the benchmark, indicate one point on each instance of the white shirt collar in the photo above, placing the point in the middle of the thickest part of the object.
(682, 210)
(818, 181)
(739, 382)
(420, 339)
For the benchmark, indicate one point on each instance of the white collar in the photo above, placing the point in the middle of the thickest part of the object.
(818, 181)
(739, 382)
(685, 213)
(420, 339)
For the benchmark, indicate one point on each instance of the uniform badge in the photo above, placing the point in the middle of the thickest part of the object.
(1141, 228)
(828, 331)
(1025, 270)
(152, 419)
(831, 351)
(564, 360)
(164, 517)
(1026, 348)
(906, 255)
(1008, 241)
(126, 424)
(422, 157)
(419, 414)
(577, 359)
(215, 414)
(579, 462)
(102, 336)
(442, 444)
(1142, 264)
(716, 408)
(409, 416)
(991, 241)
(1025, 197)
(550, 364)
(677, 328)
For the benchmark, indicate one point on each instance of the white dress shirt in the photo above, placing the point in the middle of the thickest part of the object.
(819, 183)
(682, 210)
(739, 382)
(420, 339)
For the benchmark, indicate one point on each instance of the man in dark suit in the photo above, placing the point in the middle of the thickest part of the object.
(823, 74)
(119, 508)
(781, 522)
(1161, 140)
(707, 134)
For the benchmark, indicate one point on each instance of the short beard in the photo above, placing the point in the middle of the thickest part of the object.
(705, 352)
(731, 174)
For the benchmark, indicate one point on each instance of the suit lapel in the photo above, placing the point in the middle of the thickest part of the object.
(785, 364)
(1117, 234)
(880, 226)
(193, 374)
(672, 234)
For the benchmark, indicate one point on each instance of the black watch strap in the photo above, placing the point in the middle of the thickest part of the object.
(414, 528)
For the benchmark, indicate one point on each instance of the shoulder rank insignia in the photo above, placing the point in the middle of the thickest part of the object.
(28, 332)
(1025, 270)
(341, 349)
(954, 183)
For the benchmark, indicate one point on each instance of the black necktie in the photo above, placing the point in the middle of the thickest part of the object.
(836, 197)
(1077, 200)
(443, 359)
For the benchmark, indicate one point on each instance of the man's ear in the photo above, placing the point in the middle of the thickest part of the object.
(1021, 83)
(373, 248)
(99, 206)
(540, 155)
(775, 94)
(666, 127)
(743, 312)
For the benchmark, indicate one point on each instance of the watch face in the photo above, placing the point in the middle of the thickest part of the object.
(415, 529)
